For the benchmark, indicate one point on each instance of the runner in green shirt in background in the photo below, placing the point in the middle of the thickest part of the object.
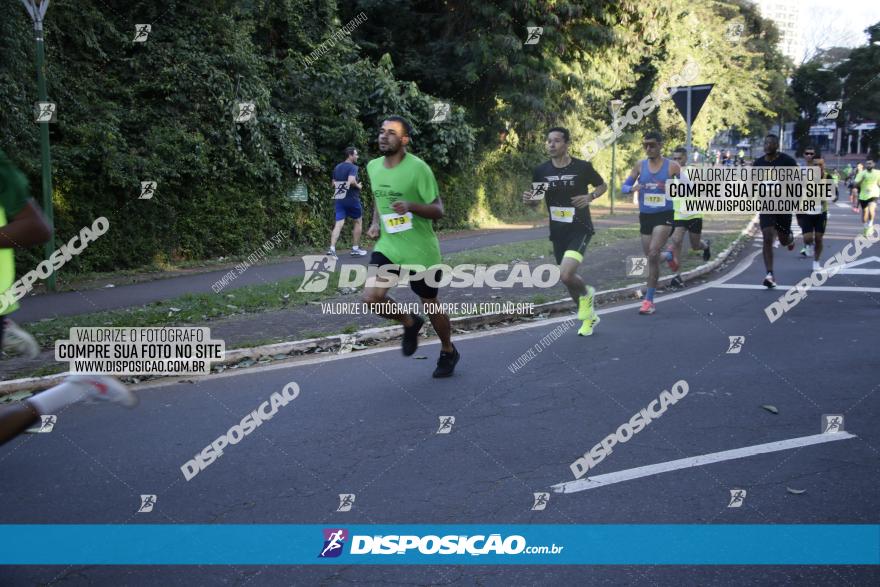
(684, 223)
(868, 183)
(21, 225)
(406, 201)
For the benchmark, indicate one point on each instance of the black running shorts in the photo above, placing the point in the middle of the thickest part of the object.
(781, 222)
(812, 222)
(419, 286)
(694, 225)
(647, 222)
(575, 241)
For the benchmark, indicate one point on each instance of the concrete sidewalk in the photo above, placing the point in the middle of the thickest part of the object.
(84, 301)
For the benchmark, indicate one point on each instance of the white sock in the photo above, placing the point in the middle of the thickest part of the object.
(355, 248)
(54, 399)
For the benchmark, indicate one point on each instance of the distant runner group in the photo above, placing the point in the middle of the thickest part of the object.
(407, 200)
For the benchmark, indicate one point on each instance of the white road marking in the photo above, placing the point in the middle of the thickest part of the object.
(840, 205)
(814, 289)
(847, 268)
(707, 459)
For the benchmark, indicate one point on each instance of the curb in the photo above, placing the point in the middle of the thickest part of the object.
(342, 343)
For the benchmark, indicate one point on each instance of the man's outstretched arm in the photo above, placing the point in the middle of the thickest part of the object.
(28, 227)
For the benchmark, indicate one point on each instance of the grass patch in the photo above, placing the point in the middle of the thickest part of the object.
(207, 307)
(189, 309)
(533, 249)
(539, 299)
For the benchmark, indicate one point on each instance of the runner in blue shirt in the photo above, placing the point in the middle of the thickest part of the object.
(656, 213)
(347, 198)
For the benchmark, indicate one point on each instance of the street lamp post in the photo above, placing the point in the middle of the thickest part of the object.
(614, 106)
(37, 10)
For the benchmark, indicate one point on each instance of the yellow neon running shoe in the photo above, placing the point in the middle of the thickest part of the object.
(586, 304)
(588, 325)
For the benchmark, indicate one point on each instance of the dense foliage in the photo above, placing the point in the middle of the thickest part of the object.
(851, 76)
(163, 109)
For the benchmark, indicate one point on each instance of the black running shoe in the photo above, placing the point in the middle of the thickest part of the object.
(446, 363)
(706, 252)
(676, 282)
(411, 335)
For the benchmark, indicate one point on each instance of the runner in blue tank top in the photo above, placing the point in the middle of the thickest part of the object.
(656, 214)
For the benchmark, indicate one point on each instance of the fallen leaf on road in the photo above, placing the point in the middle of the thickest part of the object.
(420, 357)
(795, 491)
(771, 409)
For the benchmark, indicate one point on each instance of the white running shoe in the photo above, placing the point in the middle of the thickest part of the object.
(16, 339)
(358, 253)
(105, 389)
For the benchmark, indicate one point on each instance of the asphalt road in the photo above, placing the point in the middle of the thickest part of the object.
(366, 424)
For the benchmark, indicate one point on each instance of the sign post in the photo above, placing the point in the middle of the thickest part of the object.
(689, 100)
(614, 106)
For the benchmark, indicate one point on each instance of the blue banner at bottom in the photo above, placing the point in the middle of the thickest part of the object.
(477, 544)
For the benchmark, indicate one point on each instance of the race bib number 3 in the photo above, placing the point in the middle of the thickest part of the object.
(562, 214)
(340, 190)
(397, 222)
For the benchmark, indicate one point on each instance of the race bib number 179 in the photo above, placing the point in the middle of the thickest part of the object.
(397, 222)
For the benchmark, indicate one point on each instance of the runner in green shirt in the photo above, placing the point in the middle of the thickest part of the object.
(684, 223)
(21, 225)
(868, 183)
(406, 201)
(851, 185)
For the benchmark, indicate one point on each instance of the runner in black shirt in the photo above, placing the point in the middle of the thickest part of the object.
(564, 183)
(774, 225)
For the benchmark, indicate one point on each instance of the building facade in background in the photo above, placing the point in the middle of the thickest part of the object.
(788, 17)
